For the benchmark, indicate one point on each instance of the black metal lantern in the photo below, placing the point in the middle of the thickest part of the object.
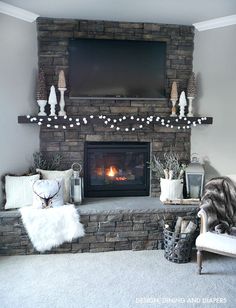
(194, 178)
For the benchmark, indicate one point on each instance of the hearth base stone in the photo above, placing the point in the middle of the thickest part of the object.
(110, 224)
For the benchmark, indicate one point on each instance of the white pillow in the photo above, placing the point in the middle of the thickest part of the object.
(46, 189)
(53, 175)
(19, 190)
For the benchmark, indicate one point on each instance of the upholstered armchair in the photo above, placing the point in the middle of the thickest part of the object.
(218, 218)
(220, 243)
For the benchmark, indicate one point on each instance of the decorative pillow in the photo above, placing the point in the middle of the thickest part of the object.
(48, 193)
(18, 190)
(53, 175)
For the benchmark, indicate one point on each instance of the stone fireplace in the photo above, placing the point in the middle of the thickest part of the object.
(110, 225)
(53, 42)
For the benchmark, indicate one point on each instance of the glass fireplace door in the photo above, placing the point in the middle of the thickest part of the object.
(116, 169)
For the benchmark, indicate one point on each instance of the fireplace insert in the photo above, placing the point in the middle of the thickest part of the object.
(116, 169)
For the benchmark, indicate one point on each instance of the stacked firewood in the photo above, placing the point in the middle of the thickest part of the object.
(179, 239)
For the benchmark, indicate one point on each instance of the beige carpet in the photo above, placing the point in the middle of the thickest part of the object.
(115, 279)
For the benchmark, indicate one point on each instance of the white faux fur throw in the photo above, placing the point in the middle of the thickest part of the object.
(51, 227)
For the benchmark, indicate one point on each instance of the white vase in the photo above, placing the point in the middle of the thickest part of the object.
(42, 103)
(171, 189)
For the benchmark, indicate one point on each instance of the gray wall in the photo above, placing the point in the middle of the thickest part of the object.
(215, 64)
(18, 65)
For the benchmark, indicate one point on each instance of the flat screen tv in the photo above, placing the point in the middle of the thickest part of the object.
(117, 68)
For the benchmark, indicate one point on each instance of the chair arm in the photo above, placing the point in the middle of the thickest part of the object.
(204, 226)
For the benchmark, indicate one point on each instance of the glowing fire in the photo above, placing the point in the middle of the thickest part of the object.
(121, 178)
(111, 171)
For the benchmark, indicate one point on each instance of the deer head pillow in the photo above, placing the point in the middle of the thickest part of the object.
(48, 193)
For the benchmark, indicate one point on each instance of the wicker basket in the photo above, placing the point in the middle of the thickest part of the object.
(178, 247)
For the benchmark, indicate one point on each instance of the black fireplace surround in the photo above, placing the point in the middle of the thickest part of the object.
(116, 169)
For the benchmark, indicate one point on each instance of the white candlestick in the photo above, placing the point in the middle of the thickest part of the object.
(173, 110)
(62, 102)
(190, 107)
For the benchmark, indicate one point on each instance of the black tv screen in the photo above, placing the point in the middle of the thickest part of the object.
(117, 68)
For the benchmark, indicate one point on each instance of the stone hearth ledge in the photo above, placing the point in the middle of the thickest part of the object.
(122, 223)
(120, 205)
(125, 205)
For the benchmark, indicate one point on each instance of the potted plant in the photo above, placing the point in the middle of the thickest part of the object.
(170, 172)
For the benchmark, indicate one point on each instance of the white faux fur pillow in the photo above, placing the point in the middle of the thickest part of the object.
(19, 190)
(53, 175)
(48, 193)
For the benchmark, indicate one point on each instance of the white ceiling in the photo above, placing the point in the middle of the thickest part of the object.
(184, 12)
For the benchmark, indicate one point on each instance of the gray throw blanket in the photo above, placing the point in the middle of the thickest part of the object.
(219, 202)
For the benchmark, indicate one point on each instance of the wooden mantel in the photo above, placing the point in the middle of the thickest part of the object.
(114, 121)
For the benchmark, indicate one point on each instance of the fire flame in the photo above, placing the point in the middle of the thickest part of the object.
(121, 178)
(111, 171)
